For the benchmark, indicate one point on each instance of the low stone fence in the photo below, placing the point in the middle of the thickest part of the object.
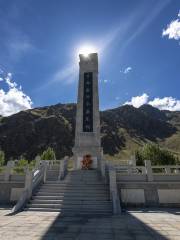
(12, 184)
(148, 185)
(148, 173)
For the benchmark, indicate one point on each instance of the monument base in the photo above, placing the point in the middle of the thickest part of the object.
(80, 152)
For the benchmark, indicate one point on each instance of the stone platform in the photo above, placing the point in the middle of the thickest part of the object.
(141, 225)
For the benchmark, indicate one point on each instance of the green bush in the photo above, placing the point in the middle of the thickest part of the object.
(2, 158)
(21, 164)
(48, 154)
(32, 164)
(154, 153)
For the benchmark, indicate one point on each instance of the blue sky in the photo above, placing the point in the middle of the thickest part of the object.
(137, 64)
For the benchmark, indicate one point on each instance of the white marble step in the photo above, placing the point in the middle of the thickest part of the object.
(73, 198)
(86, 190)
(81, 196)
(71, 212)
(74, 183)
(70, 201)
(70, 186)
(71, 206)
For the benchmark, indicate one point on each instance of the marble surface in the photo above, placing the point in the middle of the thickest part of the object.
(142, 224)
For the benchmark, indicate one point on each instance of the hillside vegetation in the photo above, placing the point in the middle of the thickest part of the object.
(123, 130)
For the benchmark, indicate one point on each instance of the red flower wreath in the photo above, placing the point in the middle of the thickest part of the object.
(86, 162)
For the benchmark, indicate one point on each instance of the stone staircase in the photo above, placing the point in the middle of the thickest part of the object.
(82, 192)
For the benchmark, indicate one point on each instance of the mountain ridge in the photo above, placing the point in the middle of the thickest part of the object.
(123, 130)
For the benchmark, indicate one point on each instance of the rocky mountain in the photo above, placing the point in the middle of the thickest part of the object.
(123, 130)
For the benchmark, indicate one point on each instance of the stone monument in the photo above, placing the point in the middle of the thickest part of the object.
(87, 134)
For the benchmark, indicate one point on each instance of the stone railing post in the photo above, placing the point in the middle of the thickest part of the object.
(45, 166)
(114, 191)
(103, 173)
(176, 171)
(63, 168)
(66, 165)
(133, 161)
(28, 182)
(143, 170)
(129, 170)
(37, 160)
(8, 170)
(103, 167)
(168, 170)
(149, 172)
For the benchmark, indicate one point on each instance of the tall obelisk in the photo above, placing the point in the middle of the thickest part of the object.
(87, 134)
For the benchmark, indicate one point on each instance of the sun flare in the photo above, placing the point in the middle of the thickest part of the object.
(86, 50)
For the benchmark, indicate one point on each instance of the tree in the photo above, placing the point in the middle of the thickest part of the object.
(48, 154)
(154, 153)
(2, 158)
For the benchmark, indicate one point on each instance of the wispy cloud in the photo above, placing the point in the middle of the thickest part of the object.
(66, 75)
(144, 21)
(173, 29)
(165, 103)
(126, 70)
(16, 42)
(17, 48)
(105, 81)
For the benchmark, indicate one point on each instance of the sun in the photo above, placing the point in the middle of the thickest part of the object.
(86, 50)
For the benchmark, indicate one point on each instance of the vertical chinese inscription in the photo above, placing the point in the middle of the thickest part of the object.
(88, 102)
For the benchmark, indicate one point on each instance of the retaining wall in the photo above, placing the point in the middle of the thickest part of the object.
(10, 192)
(149, 194)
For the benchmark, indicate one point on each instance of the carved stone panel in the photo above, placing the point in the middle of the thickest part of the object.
(88, 102)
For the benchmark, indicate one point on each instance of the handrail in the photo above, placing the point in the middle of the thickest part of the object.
(131, 170)
(33, 179)
(38, 176)
(21, 202)
(164, 166)
(142, 170)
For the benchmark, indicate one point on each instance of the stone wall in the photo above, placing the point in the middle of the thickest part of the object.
(149, 194)
(10, 192)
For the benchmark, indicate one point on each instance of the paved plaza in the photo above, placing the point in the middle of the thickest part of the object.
(135, 224)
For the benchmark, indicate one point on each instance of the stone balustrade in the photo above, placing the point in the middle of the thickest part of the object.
(148, 173)
(148, 185)
(37, 176)
(16, 182)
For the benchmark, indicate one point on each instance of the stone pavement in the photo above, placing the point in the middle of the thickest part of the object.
(141, 225)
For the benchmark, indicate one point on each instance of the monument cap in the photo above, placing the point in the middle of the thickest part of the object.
(88, 57)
